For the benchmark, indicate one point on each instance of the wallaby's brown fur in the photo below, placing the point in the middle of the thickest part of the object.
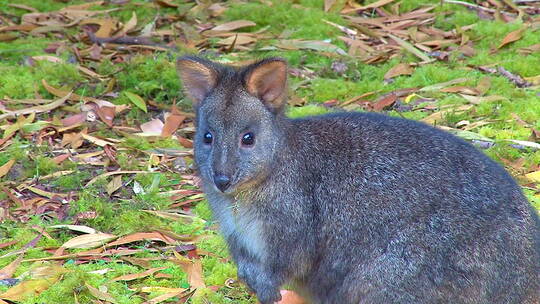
(355, 207)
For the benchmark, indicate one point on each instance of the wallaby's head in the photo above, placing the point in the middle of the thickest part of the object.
(238, 115)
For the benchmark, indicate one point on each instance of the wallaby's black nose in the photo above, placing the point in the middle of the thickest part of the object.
(222, 182)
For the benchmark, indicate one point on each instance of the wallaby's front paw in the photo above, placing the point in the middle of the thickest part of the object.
(269, 296)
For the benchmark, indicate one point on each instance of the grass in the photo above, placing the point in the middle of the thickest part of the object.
(154, 78)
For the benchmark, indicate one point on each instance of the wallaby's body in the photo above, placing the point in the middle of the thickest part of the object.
(355, 208)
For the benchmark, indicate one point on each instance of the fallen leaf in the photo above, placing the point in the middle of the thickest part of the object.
(411, 48)
(134, 276)
(136, 100)
(8, 271)
(481, 99)
(398, 70)
(384, 102)
(114, 184)
(512, 36)
(37, 109)
(153, 127)
(78, 228)
(172, 122)
(164, 297)
(316, 45)
(89, 240)
(4, 169)
(100, 294)
(534, 176)
(142, 236)
(233, 25)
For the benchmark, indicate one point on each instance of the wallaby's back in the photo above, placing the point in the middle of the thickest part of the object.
(418, 214)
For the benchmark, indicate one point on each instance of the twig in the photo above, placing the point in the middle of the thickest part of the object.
(123, 40)
(515, 79)
(476, 7)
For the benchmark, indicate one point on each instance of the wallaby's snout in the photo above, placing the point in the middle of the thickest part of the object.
(222, 182)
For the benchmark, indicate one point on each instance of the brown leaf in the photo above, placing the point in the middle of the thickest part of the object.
(4, 169)
(134, 276)
(153, 127)
(74, 119)
(8, 271)
(195, 274)
(75, 140)
(100, 294)
(511, 37)
(398, 70)
(114, 184)
(328, 4)
(233, 25)
(164, 297)
(237, 40)
(483, 85)
(142, 236)
(172, 122)
(384, 102)
(89, 240)
(166, 3)
(461, 89)
(106, 114)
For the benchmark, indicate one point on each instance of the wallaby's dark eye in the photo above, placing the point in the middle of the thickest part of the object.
(207, 138)
(248, 139)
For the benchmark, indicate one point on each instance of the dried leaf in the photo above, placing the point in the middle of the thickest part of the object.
(78, 228)
(512, 36)
(100, 294)
(483, 85)
(153, 127)
(481, 99)
(195, 274)
(439, 86)
(233, 25)
(315, 45)
(4, 169)
(28, 289)
(172, 122)
(37, 109)
(8, 271)
(534, 176)
(164, 297)
(134, 276)
(106, 114)
(384, 102)
(89, 240)
(237, 40)
(93, 180)
(114, 184)
(142, 236)
(411, 48)
(398, 70)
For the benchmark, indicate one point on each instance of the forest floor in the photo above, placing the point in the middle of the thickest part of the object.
(98, 199)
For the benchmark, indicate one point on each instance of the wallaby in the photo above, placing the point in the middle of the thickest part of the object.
(355, 207)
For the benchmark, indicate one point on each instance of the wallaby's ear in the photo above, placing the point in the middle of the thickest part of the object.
(198, 75)
(267, 80)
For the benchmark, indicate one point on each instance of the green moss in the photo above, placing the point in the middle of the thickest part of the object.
(151, 78)
(308, 110)
(301, 21)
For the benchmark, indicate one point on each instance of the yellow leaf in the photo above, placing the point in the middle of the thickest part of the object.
(534, 176)
(89, 240)
(4, 169)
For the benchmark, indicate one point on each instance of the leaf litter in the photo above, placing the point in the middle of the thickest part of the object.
(88, 131)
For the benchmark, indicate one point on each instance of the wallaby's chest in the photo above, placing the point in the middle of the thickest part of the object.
(241, 225)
